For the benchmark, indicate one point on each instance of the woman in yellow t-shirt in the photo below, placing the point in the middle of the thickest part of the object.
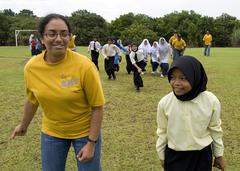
(67, 87)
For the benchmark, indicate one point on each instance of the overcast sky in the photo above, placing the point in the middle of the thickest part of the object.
(112, 9)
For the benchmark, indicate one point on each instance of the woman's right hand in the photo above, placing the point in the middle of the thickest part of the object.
(139, 70)
(219, 163)
(20, 130)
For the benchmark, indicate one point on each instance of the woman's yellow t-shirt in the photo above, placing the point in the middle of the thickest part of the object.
(66, 91)
(207, 39)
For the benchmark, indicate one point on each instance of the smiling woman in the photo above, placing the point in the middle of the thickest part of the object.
(55, 36)
(67, 87)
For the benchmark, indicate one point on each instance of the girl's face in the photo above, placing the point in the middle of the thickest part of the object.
(145, 42)
(134, 48)
(180, 85)
(56, 37)
(110, 41)
(162, 41)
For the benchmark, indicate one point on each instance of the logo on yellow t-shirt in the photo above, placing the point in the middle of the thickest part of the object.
(68, 81)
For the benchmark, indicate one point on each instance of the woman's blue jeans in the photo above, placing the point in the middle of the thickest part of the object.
(207, 50)
(54, 153)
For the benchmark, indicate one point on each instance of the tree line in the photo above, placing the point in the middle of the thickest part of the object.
(129, 27)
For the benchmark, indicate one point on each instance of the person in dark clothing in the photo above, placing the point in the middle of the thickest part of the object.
(129, 65)
(94, 47)
(109, 51)
(137, 59)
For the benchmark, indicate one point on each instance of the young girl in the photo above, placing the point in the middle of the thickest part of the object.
(109, 51)
(137, 59)
(189, 125)
(146, 47)
(164, 52)
(154, 53)
(128, 61)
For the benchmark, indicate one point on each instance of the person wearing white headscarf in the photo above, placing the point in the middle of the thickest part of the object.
(154, 53)
(164, 52)
(146, 47)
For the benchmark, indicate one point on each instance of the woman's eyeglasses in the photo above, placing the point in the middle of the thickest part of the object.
(54, 35)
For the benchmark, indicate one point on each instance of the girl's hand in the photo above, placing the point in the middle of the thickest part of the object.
(162, 163)
(219, 163)
(139, 70)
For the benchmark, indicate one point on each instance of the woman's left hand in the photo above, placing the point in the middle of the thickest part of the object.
(87, 152)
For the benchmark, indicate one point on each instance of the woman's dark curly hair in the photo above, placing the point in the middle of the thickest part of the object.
(45, 20)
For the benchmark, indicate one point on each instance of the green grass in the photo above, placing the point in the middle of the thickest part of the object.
(129, 125)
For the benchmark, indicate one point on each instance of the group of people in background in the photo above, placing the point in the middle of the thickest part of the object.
(137, 56)
(35, 45)
(72, 99)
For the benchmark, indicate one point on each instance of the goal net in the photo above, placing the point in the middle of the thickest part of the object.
(17, 32)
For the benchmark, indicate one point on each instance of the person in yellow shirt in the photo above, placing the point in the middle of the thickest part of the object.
(188, 121)
(179, 46)
(67, 87)
(207, 39)
(173, 38)
(71, 43)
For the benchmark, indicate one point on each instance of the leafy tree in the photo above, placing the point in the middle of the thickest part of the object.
(4, 29)
(136, 33)
(8, 12)
(145, 20)
(224, 26)
(121, 23)
(22, 23)
(236, 38)
(160, 27)
(129, 27)
(125, 21)
(87, 26)
(26, 13)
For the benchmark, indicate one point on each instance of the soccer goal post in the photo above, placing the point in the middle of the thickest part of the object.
(17, 33)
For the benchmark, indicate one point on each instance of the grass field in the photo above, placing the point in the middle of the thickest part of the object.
(129, 125)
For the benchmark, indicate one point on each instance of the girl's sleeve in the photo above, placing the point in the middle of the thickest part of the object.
(161, 131)
(104, 52)
(93, 88)
(132, 55)
(216, 130)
